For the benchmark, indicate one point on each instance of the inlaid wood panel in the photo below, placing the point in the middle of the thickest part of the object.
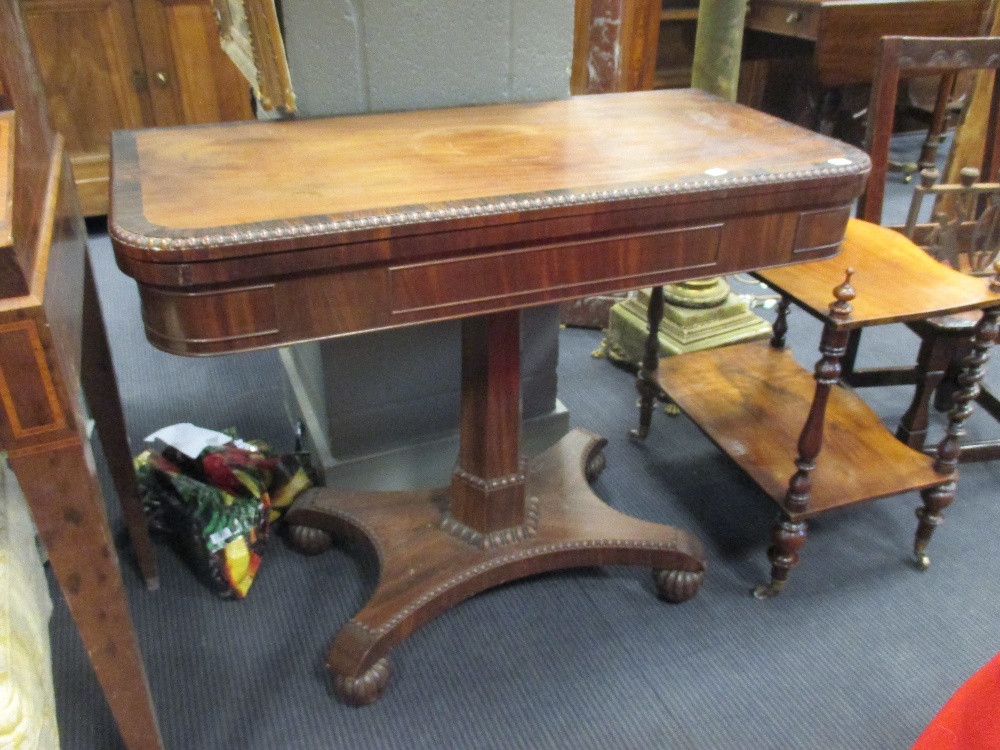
(34, 149)
(32, 407)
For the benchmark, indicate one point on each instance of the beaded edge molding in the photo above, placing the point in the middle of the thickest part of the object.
(499, 562)
(860, 164)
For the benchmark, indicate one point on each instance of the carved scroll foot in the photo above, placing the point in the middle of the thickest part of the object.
(676, 586)
(595, 464)
(787, 538)
(365, 689)
(936, 499)
(308, 540)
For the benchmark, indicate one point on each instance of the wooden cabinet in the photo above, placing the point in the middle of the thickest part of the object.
(112, 64)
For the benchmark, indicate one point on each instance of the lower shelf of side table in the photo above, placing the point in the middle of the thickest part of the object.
(751, 400)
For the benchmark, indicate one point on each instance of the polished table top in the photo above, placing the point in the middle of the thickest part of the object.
(418, 216)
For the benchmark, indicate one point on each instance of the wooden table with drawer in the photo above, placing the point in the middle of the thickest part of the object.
(846, 32)
(802, 52)
(244, 236)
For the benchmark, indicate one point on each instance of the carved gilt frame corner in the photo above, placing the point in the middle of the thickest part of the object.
(250, 35)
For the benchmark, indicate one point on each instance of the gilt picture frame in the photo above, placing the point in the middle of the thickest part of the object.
(251, 37)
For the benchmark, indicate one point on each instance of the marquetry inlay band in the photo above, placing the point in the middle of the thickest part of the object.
(859, 165)
(54, 418)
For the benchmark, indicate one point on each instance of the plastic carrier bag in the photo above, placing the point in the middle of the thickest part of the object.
(217, 507)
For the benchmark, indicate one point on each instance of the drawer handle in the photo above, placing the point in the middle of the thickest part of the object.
(794, 17)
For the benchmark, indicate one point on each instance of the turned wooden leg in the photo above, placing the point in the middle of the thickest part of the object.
(780, 328)
(932, 363)
(787, 538)
(946, 389)
(646, 382)
(936, 499)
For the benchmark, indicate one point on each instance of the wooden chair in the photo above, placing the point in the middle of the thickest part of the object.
(53, 350)
(809, 440)
(943, 340)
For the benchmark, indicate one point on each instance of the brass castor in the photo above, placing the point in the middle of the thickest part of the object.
(767, 590)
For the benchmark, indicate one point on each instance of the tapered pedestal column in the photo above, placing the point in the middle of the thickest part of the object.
(502, 518)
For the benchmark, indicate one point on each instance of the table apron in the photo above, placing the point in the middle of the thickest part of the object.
(341, 301)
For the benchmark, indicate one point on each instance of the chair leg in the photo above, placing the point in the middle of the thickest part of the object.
(848, 361)
(937, 498)
(932, 362)
(787, 538)
(945, 392)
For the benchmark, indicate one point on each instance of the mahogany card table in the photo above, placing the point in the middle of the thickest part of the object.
(250, 235)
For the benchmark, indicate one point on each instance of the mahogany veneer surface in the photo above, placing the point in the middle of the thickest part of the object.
(931, 288)
(752, 400)
(248, 235)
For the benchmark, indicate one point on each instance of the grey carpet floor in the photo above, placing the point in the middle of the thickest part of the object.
(859, 652)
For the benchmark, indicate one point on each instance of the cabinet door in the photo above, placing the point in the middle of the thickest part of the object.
(91, 68)
(191, 80)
